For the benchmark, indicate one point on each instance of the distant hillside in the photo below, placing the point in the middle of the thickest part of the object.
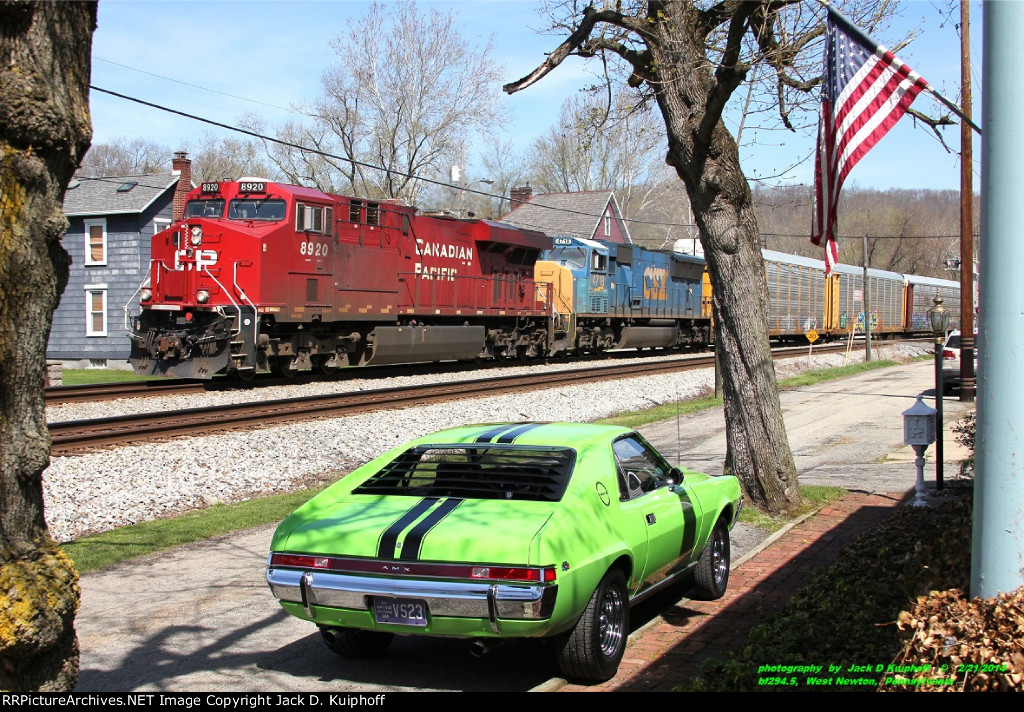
(911, 231)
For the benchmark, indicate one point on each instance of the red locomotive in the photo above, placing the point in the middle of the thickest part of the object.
(266, 276)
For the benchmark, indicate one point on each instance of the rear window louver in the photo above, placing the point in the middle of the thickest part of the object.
(491, 471)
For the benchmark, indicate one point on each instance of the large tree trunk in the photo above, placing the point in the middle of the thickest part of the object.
(706, 158)
(667, 48)
(44, 132)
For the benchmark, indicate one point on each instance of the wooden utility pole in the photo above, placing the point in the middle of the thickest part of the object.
(967, 376)
(867, 306)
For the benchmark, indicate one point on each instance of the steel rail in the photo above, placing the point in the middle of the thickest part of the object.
(72, 437)
(76, 436)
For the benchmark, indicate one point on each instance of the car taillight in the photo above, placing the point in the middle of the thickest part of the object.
(513, 573)
(304, 562)
(948, 355)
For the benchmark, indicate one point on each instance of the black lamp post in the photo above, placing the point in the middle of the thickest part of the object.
(938, 317)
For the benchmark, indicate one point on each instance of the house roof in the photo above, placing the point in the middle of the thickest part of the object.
(574, 214)
(113, 195)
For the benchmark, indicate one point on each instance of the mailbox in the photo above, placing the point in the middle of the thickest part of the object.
(919, 424)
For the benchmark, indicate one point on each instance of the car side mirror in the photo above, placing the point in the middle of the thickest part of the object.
(675, 476)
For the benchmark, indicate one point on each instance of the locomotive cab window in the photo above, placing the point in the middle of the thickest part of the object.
(571, 257)
(256, 209)
(313, 218)
(599, 261)
(205, 208)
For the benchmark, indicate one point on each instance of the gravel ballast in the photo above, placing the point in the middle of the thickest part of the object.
(100, 491)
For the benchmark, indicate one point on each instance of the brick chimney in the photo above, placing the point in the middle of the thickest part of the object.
(520, 195)
(181, 165)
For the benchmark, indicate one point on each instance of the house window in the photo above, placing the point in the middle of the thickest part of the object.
(160, 224)
(607, 224)
(95, 310)
(95, 242)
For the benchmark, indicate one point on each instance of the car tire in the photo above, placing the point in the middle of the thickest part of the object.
(712, 574)
(359, 644)
(593, 649)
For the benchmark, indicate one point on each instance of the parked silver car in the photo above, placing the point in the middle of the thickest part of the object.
(951, 361)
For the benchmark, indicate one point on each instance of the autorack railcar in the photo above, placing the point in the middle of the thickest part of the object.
(802, 299)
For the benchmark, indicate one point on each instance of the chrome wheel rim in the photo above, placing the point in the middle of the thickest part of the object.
(719, 559)
(610, 624)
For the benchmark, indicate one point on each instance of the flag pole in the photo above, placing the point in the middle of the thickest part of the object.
(854, 30)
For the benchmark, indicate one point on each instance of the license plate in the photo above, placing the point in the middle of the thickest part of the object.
(400, 611)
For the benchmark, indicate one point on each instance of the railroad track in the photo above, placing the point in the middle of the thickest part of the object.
(72, 437)
(60, 395)
(57, 395)
(75, 437)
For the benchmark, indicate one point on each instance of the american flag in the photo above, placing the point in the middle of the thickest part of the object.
(866, 91)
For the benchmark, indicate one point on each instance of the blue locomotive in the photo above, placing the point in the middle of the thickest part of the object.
(615, 296)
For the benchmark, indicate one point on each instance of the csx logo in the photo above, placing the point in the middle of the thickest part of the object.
(202, 259)
(656, 283)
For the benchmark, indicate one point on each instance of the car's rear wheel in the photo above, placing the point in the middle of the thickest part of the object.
(593, 649)
(351, 643)
(712, 574)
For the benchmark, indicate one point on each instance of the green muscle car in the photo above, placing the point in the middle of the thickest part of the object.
(493, 532)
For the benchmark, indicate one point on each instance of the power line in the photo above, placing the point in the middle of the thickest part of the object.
(871, 237)
(299, 147)
(198, 86)
(354, 162)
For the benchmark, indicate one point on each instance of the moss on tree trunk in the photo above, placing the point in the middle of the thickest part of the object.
(45, 130)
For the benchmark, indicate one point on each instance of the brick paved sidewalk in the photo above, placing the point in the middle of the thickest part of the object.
(668, 650)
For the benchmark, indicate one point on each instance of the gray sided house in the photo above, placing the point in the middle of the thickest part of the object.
(112, 220)
(590, 215)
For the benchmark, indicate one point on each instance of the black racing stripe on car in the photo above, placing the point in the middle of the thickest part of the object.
(411, 545)
(485, 436)
(386, 546)
(514, 433)
(689, 531)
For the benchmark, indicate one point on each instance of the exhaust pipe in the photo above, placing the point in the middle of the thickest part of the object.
(480, 647)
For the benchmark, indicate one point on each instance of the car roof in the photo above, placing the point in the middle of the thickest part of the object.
(575, 435)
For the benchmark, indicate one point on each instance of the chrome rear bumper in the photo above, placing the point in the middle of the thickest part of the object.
(460, 599)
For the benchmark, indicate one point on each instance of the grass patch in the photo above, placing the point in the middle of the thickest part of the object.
(108, 548)
(814, 496)
(666, 411)
(86, 376)
(112, 547)
(809, 378)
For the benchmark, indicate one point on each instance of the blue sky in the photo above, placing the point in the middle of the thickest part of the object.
(274, 53)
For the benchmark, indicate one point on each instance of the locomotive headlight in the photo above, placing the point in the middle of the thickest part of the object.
(202, 296)
(145, 295)
(196, 237)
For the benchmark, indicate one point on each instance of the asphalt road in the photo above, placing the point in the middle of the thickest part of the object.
(201, 618)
